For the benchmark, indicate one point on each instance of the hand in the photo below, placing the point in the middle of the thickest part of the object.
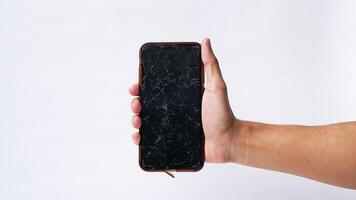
(218, 119)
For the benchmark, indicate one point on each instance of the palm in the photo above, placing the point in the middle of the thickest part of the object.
(217, 121)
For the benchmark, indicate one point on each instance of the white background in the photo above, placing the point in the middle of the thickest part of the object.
(65, 67)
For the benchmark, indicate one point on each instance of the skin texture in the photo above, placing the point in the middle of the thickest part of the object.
(323, 153)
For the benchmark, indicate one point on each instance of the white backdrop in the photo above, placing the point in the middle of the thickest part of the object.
(65, 67)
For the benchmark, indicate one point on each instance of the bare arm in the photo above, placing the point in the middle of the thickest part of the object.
(323, 153)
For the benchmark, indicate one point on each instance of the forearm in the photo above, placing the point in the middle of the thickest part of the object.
(323, 153)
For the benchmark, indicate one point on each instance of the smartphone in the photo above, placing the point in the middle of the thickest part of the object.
(171, 79)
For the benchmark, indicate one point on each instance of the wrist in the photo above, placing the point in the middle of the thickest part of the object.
(240, 136)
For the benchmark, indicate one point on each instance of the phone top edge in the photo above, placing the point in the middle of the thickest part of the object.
(146, 44)
(168, 43)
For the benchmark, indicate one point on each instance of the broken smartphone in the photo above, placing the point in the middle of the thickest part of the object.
(171, 79)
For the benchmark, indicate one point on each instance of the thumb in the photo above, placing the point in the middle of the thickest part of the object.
(211, 65)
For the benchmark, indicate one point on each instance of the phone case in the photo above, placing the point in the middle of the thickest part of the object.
(181, 154)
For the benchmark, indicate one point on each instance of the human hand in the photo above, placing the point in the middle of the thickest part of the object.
(217, 117)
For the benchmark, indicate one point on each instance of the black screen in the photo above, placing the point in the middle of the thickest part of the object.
(170, 95)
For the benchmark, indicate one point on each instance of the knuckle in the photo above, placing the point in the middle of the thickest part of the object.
(211, 61)
(217, 86)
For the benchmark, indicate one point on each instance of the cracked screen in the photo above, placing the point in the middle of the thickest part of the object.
(170, 95)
